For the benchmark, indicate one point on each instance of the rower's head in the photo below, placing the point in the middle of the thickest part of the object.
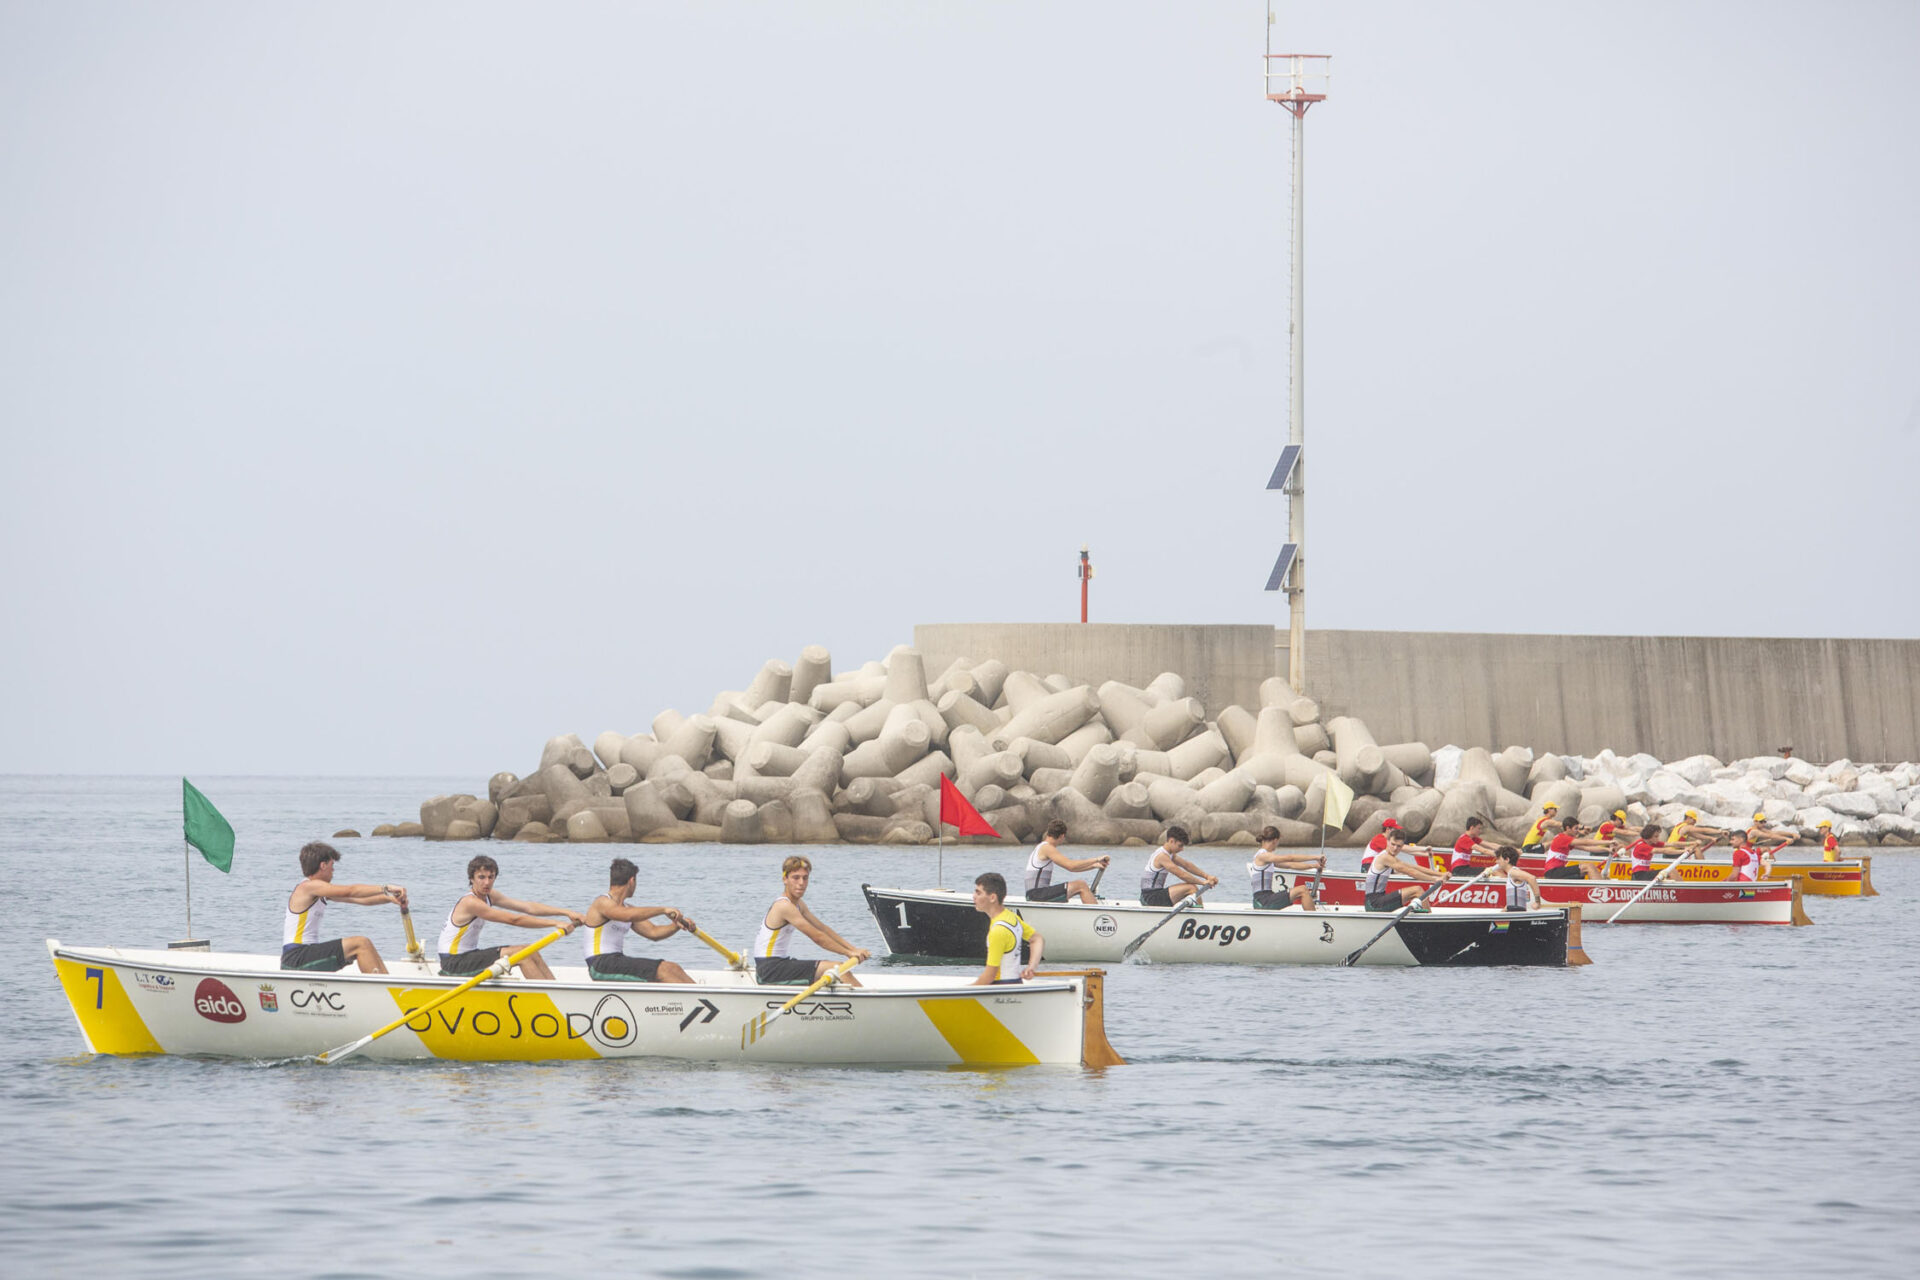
(1396, 840)
(1742, 839)
(1824, 823)
(622, 872)
(1506, 857)
(1548, 809)
(989, 892)
(1650, 832)
(482, 871)
(1620, 816)
(1692, 815)
(1475, 826)
(317, 859)
(1056, 831)
(794, 874)
(1269, 838)
(1759, 818)
(1176, 839)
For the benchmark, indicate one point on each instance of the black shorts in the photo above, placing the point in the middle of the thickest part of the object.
(1535, 847)
(614, 967)
(1047, 893)
(1469, 870)
(1156, 897)
(1272, 899)
(1388, 901)
(468, 963)
(322, 957)
(1568, 872)
(782, 971)
(1648, 874)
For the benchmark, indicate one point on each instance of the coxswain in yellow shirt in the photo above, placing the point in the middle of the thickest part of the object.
(1829, 842)
(1537, 833)
(1005, 932)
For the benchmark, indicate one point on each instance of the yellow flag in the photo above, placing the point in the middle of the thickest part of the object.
(1339, 800)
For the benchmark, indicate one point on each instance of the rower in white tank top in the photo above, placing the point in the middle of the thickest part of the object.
(609, 939)
(1039, 868)
(456, 938)
(771, 941)
(302, 926)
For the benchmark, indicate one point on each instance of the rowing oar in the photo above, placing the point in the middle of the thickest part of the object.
(1191, 900)
(413, 944)
(1094, 888)
(1658, 876)
(734, 959)
(1401, 914)
(760, 1023)
(493, 970)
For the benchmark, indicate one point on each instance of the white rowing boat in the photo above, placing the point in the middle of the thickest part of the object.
(943, 922)
(237, 1005)
(1672, 901)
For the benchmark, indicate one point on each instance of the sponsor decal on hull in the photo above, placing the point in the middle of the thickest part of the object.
(1223, 934)
(269, 998)
(317, 1002)
(214, 1000)
(159, 983)
(1105, 926)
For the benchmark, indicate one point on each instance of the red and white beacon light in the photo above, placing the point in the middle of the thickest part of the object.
(1086, 576)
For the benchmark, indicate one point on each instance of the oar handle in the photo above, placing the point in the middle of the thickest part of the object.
(413, 943)
(1094, 888)
(1658, 876)
(493, 970)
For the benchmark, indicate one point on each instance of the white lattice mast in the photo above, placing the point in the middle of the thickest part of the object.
(1296, 81)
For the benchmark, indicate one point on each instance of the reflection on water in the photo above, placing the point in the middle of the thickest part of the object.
(1701, 1099)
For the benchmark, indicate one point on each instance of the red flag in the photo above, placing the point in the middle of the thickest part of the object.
(954, 809)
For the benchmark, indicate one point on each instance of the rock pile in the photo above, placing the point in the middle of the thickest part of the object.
(803, 755)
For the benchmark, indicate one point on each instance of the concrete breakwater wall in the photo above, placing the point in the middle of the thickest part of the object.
(805, 754)
(1664, 696)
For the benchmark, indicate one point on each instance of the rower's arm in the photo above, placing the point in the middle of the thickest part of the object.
(823, 937)
(1035, 946)
(519, 920)
(538, 909)
(1181, 867)
(1081, 864)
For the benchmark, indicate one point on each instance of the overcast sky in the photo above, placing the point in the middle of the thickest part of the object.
(386, 387)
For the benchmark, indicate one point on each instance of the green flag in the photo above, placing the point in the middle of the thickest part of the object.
(207, 831)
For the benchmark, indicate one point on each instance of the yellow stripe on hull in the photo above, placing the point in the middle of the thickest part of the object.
(972, 1031)
(1820, 880)
(107, 1017)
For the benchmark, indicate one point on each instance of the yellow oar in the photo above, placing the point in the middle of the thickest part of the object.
(493, 970)
(413, 944)
(734, 959)
(758, 1025)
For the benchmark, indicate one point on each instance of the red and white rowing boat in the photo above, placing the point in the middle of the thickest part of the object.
(1671, 901)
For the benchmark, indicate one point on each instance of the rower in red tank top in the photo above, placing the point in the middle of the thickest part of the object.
(1641, 854)
(1469, 843)
(1560, 853)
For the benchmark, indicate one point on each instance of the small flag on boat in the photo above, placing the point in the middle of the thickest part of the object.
(955, 809)
(206, 830)
(1339, 800)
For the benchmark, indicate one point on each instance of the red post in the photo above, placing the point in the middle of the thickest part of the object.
(1086, 576)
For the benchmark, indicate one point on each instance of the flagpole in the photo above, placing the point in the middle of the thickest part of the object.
(188, 847)
(940, 868)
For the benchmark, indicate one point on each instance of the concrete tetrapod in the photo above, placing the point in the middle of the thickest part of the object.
(1097, 774)
(1411, 758)
(730, 738)
(1035, 755)
(1022, 689)
(1050, 718)
(906, 676)
(1092, 734)
(773, 683)
(1238, 726)
(776, 822)
(1311, 739)
(1198, 754)
(608, 746)
(1001, 768)
(1273, 734)
(740, 823)
(1168, 686)
(989, 678)
(787, 726)
(866, 724)
(1129, 800)
(812, 817)
(647, 812)
(567, 749)
(887, 754)
(1513, 765)
(1362, 765)
(693, 740)
(859, 690)
(958, 709)
(927, 770)
(814, 669)
(1122, 707)
(1087, 823)
(1168, 724)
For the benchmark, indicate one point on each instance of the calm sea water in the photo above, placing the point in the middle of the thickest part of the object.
(1701, 1101)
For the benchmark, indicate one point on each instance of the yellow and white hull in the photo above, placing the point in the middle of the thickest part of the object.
(228, 1004)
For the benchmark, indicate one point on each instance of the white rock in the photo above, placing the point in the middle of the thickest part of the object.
(1816, 790)
(1666, 787)
(1912, 811)
(1727, 773)
(1446, 765)
(1641, 763)
(1576, 767)
(1732, 799)
(1882, 791)
(1697, 770)
(1852, 804)
(1772, 766)
(1800, 773)
(1780, 813)
(1810, 818)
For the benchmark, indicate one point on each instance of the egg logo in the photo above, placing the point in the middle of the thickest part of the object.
(613, 1024)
